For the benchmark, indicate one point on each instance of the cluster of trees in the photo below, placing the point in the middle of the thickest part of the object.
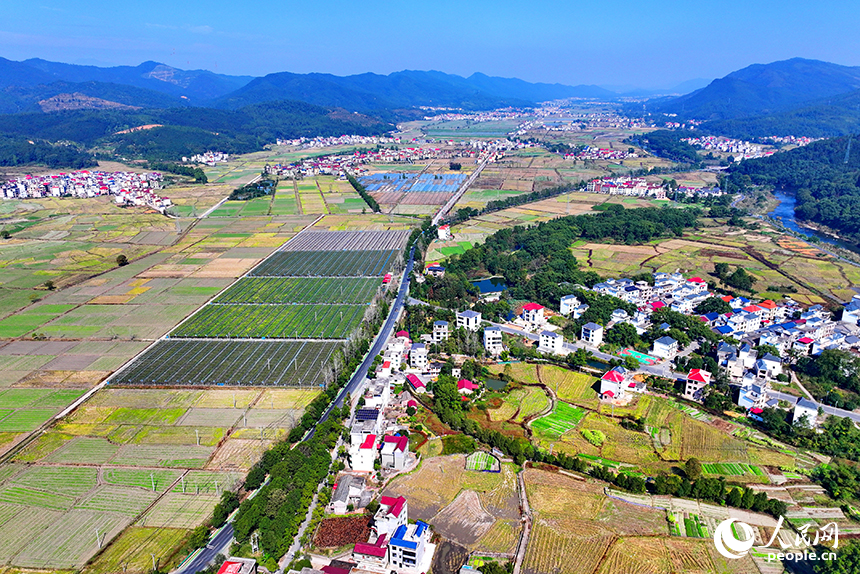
(825, 176)
(830, 374)
(716, 490)
(668, 144)
(512, 201)
(739, 278)
(841, 480)
(360, 189)
(839, 436)
(536, 262)
(196, 172)
(250, 191)
(21, 151)
(280, 506)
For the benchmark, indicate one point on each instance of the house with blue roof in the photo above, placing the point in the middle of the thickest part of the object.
(408, 545)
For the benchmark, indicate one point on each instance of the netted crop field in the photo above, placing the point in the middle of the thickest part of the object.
(326, 264)
(182, 363)
(348, 241)
(273, 321)
(349, 290)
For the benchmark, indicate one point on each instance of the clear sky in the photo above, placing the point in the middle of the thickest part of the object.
(655, 43)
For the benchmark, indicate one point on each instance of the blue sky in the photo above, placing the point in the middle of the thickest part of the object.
(643, 43)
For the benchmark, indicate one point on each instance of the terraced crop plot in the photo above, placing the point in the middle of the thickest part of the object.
(563, 418)
(732, 469)
(327, 264)
(274, 321)
(347, 241)
(285, 363)
(350, 290)
(482, 461)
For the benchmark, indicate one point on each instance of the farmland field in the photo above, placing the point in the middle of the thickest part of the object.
(482, 461)
(131, 551)
(182, 363)
(273, 321)
(349, 290)
(327, 264)
(563, 418)
(348, 241)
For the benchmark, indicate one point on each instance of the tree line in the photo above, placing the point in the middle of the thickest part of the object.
(362, 191)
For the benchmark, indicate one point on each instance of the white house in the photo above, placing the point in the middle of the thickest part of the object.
(851, 311)
(407, 546)
(493, 340)
(392, 514)
(377, 393)
(805, 410)
(348, 491)
(614, 384)
(533, 314)
(444, 232)
(665, 347)
(418, 356)
(363, 456)
(440, 331)
(469, 320)
(697, 380)
(568, 304)
(393, 454)
(592, 334)
(551, 343)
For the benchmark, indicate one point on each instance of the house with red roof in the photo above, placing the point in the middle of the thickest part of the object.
(417, 384)
(394, 450)
(614, 383)
(393, 512)
(235, 565)
(803, 345)
(533, 314)
(467, 387)
(373, 554)
(697, 380)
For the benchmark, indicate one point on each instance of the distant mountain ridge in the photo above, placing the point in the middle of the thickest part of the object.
(764, 89)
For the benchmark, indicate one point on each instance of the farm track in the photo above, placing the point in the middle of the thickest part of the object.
(298, 198)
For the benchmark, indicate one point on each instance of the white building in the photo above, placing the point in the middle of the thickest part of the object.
(592, 334)
(493, 341)
(697, 380)
(393, 454)
(444, 232)
(392, 514)
(851, 312)
(377, 393)
(348, 491)
(665, 347)
(363, 456)
(469, 320)
(418, 357)
(407, 546)
(551, 343)
(533, 314)
(805, 410)
(568, 304)
(440, 331)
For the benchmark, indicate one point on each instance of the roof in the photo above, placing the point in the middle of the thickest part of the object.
(401, 334)
(466, 384)
(378, 550)
(419, 347)
(807, 404)
(441, 323)
(613, 376)
(666, 340)
(591, 326)
(752, 308)
(369, 442)
(532, 307)
(549, 334)
(412, 403)
(699, 375)
(768, 304)
(469, 314)
(366, 414)
(230, 567)
(696, 280)
(332, 570)
(400, 442)
(657, 305)
(416, 382)
(726, 298)
(395, 504)
(805, 340)
(724, 330)
(609, 394)
(493, 328)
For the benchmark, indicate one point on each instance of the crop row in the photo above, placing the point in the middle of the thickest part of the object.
(275, 321)
(326, 264)
(175, 362)
(354, 290)
(347, 241)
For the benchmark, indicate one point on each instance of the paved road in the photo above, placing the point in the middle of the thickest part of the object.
(219, 545)
(466, 184)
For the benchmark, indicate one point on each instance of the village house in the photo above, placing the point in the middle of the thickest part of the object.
(697, 380)
(592, 334)
(440, 331)
(493, 341)
(533, 314)
(665, 347)
(805, 411)
(469, 320)
(417, 384)
(394, 451)
(551, 342)
(418, 357)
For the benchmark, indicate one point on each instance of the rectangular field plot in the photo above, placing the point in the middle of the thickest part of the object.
(273, 321)
(130, 553)
(564, 417)
(70, 541)
(18, 526)
(177, 510)
(350, 290)
(327, 264)
(130, 502)
(175, 456)
(208, 363)
(347, 241)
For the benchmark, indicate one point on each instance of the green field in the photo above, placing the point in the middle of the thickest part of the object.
(350, 290)
(563, 418)
(732, 469)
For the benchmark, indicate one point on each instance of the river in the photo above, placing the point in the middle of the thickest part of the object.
(785, 213)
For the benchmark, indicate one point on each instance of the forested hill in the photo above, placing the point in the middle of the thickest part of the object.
(825, 175)
(186, 131)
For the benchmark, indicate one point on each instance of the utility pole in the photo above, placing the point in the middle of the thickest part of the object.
(197, 432)
(152, 479)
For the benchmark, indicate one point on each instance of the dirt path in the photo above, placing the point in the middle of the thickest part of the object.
(298, 198)
(527, 524)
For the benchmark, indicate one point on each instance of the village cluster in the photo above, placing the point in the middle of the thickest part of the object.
(641, 187)
(128, 188)
(332, 141)
(339, 164)
(210, 158)
(738, 148)
(591, 152)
